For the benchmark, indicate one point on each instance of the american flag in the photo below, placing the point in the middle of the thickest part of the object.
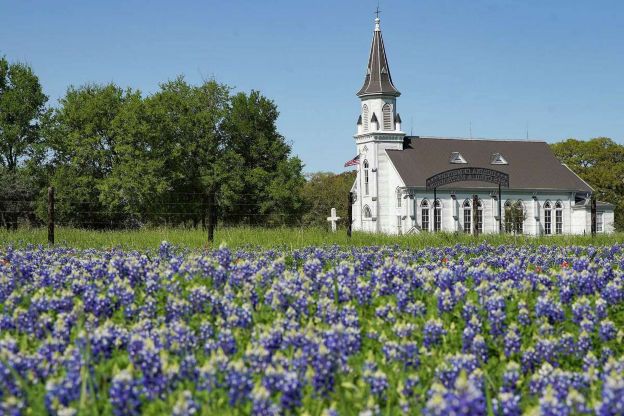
(353, 162)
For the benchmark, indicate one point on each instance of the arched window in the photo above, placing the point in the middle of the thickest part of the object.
(558, 217)
(437, 215)
(387, 117)
(467, 216)
(519, 217)
(365, 177)
(547, 218)
(365, 117)
(479, 217)
(367, 212)
(424, 209)
(399, 197)
(508, 216)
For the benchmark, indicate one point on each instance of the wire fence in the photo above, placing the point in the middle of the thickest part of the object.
(180, 209)
(197, 210)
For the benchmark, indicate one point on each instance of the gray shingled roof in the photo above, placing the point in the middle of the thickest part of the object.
(378, 80)
(531, 164)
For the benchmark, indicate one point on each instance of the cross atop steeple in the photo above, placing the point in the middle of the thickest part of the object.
(377, 11)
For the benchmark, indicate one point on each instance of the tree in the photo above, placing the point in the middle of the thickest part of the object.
(18, 190)
(270, 188)
(324, 191)
(21, 105)
(600, 163)
(121, 159)
(82, 136)
(184, 146)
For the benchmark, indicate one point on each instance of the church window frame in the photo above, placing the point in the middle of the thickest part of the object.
(547, 218)
(515, 215)
(467, 211)
(368, 214)
(386, 112)
(600, 221)
(437, 215)
(424, 211)
(365, 118)
(507, 215)
(366, 177)
(558, 217)
(479, 216)
(519, 226)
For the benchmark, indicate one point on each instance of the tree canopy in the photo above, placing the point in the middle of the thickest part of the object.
(122, 159)
(324, 191)
(600, 163)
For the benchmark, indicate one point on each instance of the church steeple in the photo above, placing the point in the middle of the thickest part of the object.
(378, 80)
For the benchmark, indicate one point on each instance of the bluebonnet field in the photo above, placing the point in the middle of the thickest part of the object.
(333, 330)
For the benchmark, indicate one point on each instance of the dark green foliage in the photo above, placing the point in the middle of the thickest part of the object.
(21, 150)
(18, 191)
(600, 163)
(270, 181)
(122, 160)
(324, 191)
(21, 105)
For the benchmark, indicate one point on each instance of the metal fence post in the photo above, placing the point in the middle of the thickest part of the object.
(593, 215)
(211, 216)
(349, 214)
(51, 215)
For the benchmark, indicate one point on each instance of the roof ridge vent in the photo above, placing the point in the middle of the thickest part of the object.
(498, 159)
(456, 157)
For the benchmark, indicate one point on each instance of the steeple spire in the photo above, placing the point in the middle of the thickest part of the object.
(378, 80)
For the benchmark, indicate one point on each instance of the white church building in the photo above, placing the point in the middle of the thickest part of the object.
(410, 184)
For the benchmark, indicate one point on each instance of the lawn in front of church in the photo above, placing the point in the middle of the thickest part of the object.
(236, 237)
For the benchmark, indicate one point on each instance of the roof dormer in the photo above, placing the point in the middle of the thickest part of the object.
(457, 158)
(497, 159)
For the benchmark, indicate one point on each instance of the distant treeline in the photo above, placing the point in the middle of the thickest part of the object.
(119, 159)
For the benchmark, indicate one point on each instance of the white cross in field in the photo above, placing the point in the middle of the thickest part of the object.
(333, 219)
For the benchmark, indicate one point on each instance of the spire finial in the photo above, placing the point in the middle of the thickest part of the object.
(377, 19)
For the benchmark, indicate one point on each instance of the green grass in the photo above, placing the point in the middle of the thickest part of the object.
(273, 238)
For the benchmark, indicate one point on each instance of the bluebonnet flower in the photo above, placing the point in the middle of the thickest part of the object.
(12, 406)
(124, 394)
(512, 341)
(239, 383)
(480, 348)
(612, 395)
(433, 332)
(465, 398)
(376, 379)
(607, 330)
(262, 404)
(524, 317)
(507, 404)
(185, 405)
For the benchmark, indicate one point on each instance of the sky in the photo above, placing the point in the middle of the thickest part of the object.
(494, 67)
